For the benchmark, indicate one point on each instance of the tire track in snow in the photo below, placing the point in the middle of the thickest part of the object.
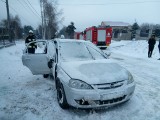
(146, 75)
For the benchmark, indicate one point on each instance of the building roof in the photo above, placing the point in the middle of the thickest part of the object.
(115, 24)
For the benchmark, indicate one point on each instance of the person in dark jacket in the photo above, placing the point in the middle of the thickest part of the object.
(151, 42)
(159, 47)
(31, 47)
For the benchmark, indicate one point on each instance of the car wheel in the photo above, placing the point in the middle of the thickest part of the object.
(45, 75)
(61, 97)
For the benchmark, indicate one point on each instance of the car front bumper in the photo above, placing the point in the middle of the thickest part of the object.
(98, 98)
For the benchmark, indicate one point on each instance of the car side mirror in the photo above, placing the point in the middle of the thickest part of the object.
(50, 63)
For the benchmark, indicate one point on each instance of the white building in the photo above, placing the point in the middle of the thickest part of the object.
(121, 30)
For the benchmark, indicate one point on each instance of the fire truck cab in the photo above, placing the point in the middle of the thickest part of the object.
(100, 36)
(79, 35)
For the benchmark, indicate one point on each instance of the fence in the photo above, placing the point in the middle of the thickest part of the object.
(4, 41)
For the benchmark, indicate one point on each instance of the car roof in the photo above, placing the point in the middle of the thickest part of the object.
(70, 40)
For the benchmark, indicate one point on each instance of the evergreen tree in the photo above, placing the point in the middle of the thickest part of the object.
(135, 26)
(62, 32)
(27, 28)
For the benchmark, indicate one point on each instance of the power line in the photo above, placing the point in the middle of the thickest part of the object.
(25, 6)
(33, 7)
(18, 12)
(22, 5)
(19, 15)
(104, 4)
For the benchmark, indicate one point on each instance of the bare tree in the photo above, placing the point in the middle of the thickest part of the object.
(39, 31)
(145, 26)
(148, 29)
(50, 16)
(16, 29)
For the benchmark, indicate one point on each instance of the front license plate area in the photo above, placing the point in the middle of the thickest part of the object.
(112, 95)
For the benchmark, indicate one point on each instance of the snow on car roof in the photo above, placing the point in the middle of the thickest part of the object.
(70, 40)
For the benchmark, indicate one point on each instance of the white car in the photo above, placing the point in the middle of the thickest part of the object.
(84, 76)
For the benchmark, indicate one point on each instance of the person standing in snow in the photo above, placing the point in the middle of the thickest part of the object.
(151, 42)
(70, 30)
(31, 37)
(159, 47)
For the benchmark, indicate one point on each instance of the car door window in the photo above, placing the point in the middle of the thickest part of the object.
(37, 47)
(41, 48)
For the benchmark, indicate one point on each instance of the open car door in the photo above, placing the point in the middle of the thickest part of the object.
(37, 62)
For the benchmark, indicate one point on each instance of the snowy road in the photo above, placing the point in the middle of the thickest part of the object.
(146, 99)
(27, 97)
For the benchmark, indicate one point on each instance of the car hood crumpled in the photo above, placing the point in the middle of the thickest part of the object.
(95, 71)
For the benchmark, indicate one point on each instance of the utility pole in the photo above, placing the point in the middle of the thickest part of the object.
(41, 5)
(8, 19)
(44, 19)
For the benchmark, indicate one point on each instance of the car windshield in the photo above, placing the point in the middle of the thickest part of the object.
(72, 51)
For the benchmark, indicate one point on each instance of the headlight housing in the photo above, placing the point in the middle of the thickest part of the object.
(130, 78)
(78, 84)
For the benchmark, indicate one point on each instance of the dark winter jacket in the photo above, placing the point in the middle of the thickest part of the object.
(31, 39)
(151, 42)
(159, 44)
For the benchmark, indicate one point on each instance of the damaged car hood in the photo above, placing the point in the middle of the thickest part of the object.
(95, 71)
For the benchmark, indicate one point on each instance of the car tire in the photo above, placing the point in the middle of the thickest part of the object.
(46, 75)
(61, 97)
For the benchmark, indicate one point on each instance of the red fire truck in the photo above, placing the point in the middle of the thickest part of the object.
(79, 35)
(100, 36)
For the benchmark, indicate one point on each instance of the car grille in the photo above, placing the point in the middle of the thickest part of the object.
(109, 85)
(112, 100)
(101, 102)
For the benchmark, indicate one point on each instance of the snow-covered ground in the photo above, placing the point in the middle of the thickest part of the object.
(24, 96)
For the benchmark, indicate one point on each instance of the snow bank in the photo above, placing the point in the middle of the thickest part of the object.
(138, 49)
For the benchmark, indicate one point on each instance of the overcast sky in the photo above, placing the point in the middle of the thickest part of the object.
(86, 13)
